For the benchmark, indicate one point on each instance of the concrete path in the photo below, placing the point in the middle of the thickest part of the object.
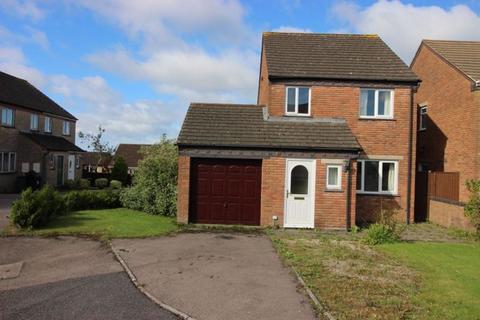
(69, 278)
(217, 276)
(5, 204)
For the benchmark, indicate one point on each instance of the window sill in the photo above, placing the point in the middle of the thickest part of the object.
(377, 119)
(8, 172)
(378, 194)
(297, 115)
(334, 190)
(7, 126)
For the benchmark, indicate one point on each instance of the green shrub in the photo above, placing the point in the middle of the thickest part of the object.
(83, 184)
(70, 185)
(101, 183)
(115, 184)
(120, 170)
(154, 183)
(386, 230)
(36, 208)
(472, 207)
(92, 199)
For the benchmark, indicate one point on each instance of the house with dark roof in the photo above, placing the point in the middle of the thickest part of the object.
(131, 153)
(448, 132)
(36, 134)
(329, 144)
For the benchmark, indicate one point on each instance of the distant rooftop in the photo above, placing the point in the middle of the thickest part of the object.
(333, 56)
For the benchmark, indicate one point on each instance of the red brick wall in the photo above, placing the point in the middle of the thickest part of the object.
(273, 191)
(263, 83)
(183, 188)
(448, 215)
(451, 141)
(377, 137)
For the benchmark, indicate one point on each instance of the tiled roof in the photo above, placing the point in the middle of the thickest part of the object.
(130, 153)
(249, 126)
(93, 158)
(333, 56)
(465, 55)
(20, 92)
(52, 143)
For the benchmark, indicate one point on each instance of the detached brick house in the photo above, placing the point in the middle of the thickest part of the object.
(448, 101)
(35, 134)
(330, 142)
(132, 155)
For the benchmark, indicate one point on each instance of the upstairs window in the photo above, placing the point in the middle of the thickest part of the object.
(48, 125)
(66, 128)
(8, 162)
(297, 101)
(376, 103)
(423, 119)
(7, 117)
(34, 122)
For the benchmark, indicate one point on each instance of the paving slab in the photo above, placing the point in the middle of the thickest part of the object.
(11, 270)
(53, 259)
(217, 276)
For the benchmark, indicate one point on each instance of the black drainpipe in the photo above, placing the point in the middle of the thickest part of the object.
(349, 182)
(410, 147)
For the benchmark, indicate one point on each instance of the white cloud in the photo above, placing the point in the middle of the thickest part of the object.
(12, 61)
(291, 29)
(403, 26)
(23, 8)
(39, 37)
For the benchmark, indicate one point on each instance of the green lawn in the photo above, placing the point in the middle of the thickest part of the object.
(450, 273)
(110, 223)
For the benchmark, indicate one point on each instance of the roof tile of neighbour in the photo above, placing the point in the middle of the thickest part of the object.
(52, 143)
(464, 55)
(21, 93)
(333, 56)
(130, 153)
(93, 158)
(249, 126)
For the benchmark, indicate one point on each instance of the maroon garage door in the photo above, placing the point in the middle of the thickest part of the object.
(225, 191)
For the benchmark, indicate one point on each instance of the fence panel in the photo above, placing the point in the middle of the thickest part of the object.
(444, 185)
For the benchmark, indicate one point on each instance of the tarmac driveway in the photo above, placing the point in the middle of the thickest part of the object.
(217, 276)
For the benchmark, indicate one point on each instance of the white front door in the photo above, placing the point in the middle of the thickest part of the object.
(300, 194)
(71, 167)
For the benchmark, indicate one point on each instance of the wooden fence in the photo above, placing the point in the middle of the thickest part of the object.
(444, 185)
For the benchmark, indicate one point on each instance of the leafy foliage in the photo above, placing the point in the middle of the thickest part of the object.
(101, 183)
(95, 143)
(115, 184)
(386, 230)
(120, 170)
(154, 183)
(92, 199)
(36, 208)
(472, 208)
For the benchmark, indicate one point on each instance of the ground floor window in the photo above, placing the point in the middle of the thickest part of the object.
(8, 162)
(377, 176)
(334, 177)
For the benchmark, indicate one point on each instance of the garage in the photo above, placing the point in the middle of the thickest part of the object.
(225, 191)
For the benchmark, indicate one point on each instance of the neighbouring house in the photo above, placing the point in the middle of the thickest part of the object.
(36, 134)
(448, 137)
(96, 162)
(329, 143)
(132, 155)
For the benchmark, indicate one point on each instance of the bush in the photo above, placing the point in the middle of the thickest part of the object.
(115, 184)
(472, 207)
(83, 184)
(36, 208)
(120, 170)
(101, 183)
(92, 199)
(70, 185)
(386, 230)
(154, 183)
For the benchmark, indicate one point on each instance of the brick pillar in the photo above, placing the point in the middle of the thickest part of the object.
(183, 189)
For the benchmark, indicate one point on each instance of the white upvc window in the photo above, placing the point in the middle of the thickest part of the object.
(377, 177)
(7, 117)
(423, 118)
(297, 101)
(48, 125)
(8, 162)
(376, 103)
(334, 177)
(66, 128)
(34, 121)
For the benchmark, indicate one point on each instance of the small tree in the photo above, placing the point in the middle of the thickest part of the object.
(95, 143)
(120, 170)
(472, 208)
(155, 181)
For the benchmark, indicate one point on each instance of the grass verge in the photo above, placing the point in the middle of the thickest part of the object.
(105, 224)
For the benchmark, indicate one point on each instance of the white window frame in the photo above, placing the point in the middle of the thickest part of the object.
(66, 128)
(337, 186)
(375, 108)
(3, 121)
(9, 157)
(295, 113)
(48, 121)
(380, 172)
(34, 118)
(422, 126)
